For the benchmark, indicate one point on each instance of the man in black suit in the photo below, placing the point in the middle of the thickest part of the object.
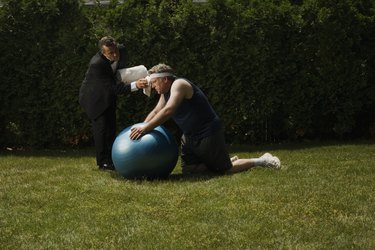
(98, 93)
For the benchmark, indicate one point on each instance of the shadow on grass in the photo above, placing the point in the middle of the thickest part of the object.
(170, 178)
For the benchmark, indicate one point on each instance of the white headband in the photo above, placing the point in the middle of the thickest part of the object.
(157, 75)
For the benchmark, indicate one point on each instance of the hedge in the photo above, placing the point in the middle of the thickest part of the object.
(273, 70)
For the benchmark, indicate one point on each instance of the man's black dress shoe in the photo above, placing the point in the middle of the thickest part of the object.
(107, 167)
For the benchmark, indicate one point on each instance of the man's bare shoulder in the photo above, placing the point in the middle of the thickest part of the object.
(181, 83)
(182, 86)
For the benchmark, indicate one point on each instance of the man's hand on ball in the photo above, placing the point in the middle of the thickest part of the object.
(137, 132)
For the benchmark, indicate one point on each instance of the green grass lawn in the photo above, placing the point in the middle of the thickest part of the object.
(323, 198)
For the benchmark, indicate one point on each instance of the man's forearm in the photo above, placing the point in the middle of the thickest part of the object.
(150, 115)
(158, 118)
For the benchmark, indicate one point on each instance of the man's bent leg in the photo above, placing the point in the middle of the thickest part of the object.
(194, 169)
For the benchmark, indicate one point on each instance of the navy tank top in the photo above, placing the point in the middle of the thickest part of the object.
(195, 116)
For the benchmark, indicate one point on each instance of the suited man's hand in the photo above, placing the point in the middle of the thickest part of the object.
(141, 83)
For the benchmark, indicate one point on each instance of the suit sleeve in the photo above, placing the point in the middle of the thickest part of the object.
(121, 88)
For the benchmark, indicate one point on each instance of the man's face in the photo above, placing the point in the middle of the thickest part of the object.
(111, 52)
(160, 84)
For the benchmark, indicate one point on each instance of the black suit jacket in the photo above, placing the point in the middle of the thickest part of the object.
(99, 87)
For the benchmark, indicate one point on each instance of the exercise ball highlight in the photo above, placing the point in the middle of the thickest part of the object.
(153, 156)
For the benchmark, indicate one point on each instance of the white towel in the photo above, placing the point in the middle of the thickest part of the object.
(147, 90)
(132, 74)
(129, 75)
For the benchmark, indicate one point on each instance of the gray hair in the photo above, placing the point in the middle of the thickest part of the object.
(161, 68)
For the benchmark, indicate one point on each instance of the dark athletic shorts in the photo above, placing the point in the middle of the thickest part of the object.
(211, 151)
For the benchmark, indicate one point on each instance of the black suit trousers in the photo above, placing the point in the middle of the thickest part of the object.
(104, 131)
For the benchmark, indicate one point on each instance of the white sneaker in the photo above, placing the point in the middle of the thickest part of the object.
(266, 155)
(234, 158)
(272, 162)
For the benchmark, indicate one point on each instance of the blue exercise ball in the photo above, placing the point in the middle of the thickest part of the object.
(153, 156)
